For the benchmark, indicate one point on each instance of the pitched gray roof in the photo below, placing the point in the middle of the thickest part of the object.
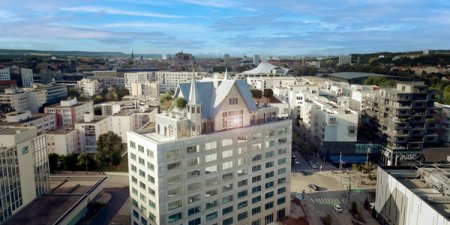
(212, 98)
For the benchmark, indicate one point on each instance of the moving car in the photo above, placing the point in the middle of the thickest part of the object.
(337, 208)
(314, 187)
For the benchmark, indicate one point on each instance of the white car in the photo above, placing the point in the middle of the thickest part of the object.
(296, 162)
(337, 208)
(314, 166)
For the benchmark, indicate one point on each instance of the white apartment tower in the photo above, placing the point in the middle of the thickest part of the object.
(219, 160)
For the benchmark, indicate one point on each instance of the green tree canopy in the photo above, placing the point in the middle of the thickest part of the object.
(180, 103)
(107, 145)
(268, 93)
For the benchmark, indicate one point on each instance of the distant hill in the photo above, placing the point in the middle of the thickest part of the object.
(38, 53)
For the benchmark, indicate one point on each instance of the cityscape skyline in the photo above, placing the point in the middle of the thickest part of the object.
(215, 28)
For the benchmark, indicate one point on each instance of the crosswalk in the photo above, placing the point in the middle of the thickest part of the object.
(327, 198)
(308, 171)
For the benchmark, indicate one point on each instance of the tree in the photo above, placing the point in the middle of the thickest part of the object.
(268, 93)
(116, 158)
(180, 103)
(71, 162)
(257, 94)
(54, 161)
(107, 145)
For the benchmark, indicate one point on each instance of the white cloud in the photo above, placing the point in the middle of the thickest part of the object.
(106, 10)
(160, 26)
(212, 3)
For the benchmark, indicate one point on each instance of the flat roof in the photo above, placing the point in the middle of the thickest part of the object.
(355, 75)
(62, 130)
(13, 130)
(412, 179)
(48, 209)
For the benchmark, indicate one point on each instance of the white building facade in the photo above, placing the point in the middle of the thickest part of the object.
(88, 87)
(221, 160)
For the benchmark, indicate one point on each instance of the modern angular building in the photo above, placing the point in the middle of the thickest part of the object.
(219, 160)
(24, 169)
(405, 118)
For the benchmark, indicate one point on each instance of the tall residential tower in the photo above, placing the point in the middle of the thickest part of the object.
(219, 160)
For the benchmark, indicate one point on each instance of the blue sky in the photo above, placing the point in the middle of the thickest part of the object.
(266, 27)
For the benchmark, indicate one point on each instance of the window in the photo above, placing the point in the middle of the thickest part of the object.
(256, 199)
(227, 165)
(256, 158)
(242, 150)
(351, 129)
(242, 194)
(172, 154)
(173, 166)
(270, 154)
(175, 205)
(227, 199)
(228, 221)
(256, 179)
(269, 195)
(269, 164)
(140, 149)
(227, 187)
(269, 174)
(242, 183)
(133, 168)
(173, 179)
(212, 181)
(194, 173)
(133, 156)
(242, 205)
(269, 184)
(211, 216)
(193, 211)
(282, 180)
(270, 144)
(193, 149)
(227, 210)
(211, 145)
(227, 142)
(241, 162)
(193, 162)
(150, 153)
(134, 180)
(281, 190)
(233, 101)
(197, 221)
(281, 161)
(227, 176)
(132, 144)
(256, 168)
(211, 204)
(211, 157)
(173, 192)
(242, 139)
(268, 206)
(282, 151)
(256, 210)
(256, 189)
(281, 200)
(226, 154)
(242, 216)
(211, 193)
(150, 166)
(256, 222)
(175, 217)
(151, 179)
(281, 171)
(194, 198)
(141, 161)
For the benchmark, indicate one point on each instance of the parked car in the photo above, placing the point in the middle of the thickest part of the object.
(314, 187)
(296, 162)
(337, 208)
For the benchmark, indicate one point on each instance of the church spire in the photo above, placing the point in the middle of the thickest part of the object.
(193, 91)
(226, 77)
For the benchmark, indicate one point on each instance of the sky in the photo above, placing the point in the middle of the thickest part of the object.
(216, 27)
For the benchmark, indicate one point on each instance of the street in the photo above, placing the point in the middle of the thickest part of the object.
(118, 198)
(320, 203)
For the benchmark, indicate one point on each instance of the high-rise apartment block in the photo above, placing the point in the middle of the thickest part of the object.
(25, 169)
(89, 87)
(219, 160)
(405, 118)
